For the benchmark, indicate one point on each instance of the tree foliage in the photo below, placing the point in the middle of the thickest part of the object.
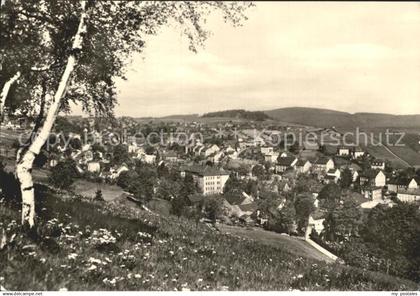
(343, 221)
(39, 34)
(346, 178)
(63, 174)
(284, 220)
(304, 206)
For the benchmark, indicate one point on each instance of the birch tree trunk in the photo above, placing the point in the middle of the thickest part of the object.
(26, 159)
(5, 92)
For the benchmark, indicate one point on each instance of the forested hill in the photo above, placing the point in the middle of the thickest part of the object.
(240, 114)
(327, 118)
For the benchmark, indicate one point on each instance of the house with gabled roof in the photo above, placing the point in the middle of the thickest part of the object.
(323, 164)
(284, 186)
(378, 164)
(358, 152)
(266, 150)
(285, 163)
(333, 175)
(271, 157)
(373, 178)
(316, 224)
(344, 151)
(170, 156)
(116, 171)
(303, 166)
(402, 184)
(209, 150)
(372, 193)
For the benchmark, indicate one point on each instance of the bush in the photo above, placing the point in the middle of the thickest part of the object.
(9, 185)
(212, 206)
(98, 196)
(63, 174)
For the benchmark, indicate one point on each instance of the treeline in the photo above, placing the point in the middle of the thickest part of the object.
(240, 113)
(385, 239)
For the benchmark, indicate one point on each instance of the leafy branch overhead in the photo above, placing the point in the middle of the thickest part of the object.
(40, 34)
(72, 51)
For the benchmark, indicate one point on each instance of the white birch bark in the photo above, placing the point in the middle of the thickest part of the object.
(5, 92)
(8, 85)
(25, 161)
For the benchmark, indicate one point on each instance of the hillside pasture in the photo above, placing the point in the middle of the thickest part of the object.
(294, 245)
(407, 154)
(88, 189)
(380, 152)
(107, 246)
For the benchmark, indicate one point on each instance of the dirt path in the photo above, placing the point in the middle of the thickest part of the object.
(291, 244)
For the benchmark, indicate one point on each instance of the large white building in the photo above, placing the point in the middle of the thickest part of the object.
(409, 196)
(210, 180)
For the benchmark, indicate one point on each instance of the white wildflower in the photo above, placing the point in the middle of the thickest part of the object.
(92, 267)
(94, 261)
(72, 256)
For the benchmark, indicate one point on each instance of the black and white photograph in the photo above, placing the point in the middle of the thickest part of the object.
(209, 146)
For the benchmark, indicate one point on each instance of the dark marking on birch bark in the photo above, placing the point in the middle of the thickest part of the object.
(28, 188)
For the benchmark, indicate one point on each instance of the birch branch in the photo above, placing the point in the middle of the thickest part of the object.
(62, 87)
(5, 91)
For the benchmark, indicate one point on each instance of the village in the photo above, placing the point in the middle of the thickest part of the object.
(240, 166)
(209, 146)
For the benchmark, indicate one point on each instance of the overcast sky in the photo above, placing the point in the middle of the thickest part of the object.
(355, 57)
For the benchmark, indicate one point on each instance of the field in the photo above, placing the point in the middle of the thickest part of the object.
(399, 157)
(88, 189)
(407, 154)
(402, 148)
(84, 245)
(380, 152)
(410, 152)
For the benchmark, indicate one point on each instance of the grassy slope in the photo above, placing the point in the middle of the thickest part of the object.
(403, 155)
(294, 245)
(152, 252)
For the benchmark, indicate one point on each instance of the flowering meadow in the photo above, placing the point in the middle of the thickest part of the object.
(85, 245)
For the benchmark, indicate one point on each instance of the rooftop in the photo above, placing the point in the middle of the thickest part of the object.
(301, 162)
(204, 170)
(322, 160)
(286, 161)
